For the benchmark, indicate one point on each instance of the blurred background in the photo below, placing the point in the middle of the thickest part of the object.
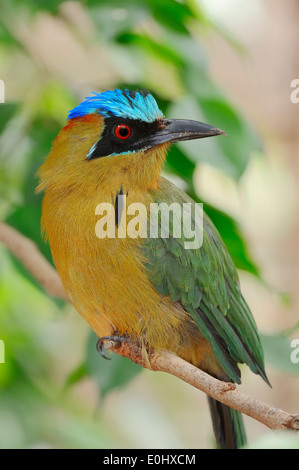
(228, 63)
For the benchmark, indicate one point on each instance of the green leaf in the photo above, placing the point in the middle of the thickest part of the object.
(6, 37)
(240, 142)
(7, 111)
(179, 163)
(150, 45)
(35, 6)
(109, 374)
(42, 133)
(230, 233)
(172, 14)
(76, 375)
(206, 102)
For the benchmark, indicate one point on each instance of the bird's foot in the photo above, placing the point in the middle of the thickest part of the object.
(115, 342)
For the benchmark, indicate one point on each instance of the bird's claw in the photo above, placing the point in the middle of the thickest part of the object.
(115, 338)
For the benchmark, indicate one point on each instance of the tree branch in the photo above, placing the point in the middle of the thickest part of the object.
(27, 252)
(225, 392)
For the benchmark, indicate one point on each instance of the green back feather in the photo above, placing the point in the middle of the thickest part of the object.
(206, 283)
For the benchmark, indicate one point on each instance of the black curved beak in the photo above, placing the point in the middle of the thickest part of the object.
(174, 130)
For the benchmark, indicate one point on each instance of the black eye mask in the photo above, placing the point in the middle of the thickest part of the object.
(110, 144)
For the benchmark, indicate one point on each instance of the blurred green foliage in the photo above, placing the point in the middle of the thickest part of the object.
(154, 44)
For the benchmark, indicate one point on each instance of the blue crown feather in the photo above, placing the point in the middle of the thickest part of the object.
(121, 103)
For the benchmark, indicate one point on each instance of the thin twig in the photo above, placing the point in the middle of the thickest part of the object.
(27, 252)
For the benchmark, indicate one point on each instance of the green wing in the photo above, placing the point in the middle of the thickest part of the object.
(206, 283)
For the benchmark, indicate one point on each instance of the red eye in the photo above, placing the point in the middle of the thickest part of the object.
(122, 131)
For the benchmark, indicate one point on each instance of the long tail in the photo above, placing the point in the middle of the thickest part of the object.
(228, 425)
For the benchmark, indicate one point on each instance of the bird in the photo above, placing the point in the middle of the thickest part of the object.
(155, 290)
